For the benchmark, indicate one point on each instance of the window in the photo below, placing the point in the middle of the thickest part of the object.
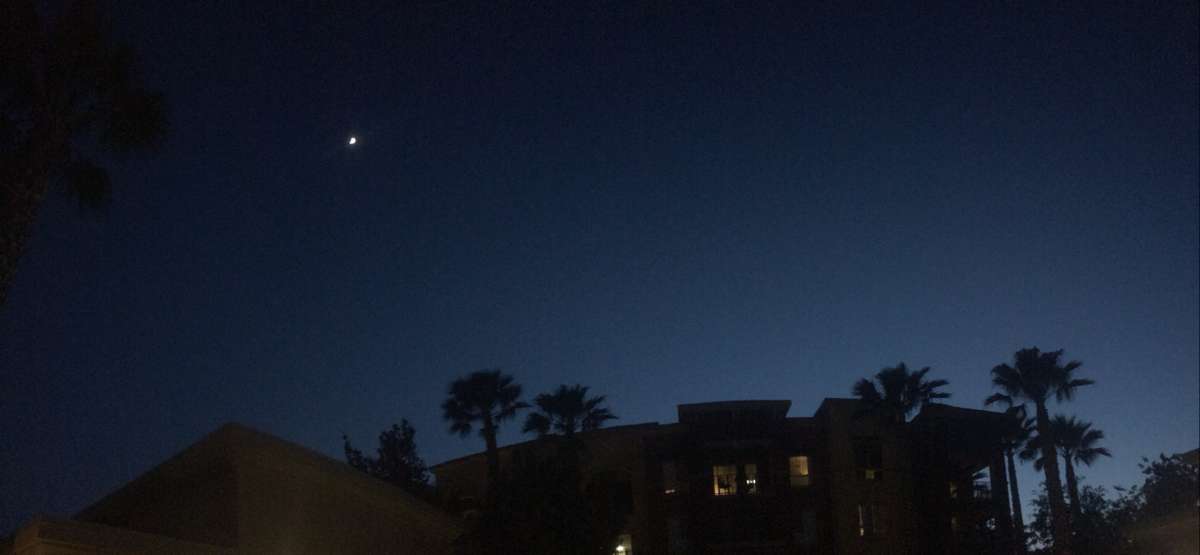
(751, 472)
(725, 479)
(624, 545)
(728, 481)
(798, 471)
(869, 522)
(868, 456)
(670, 480)
(953, 490)
(980, 489)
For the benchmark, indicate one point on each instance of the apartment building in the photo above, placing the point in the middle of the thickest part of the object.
(743, 477)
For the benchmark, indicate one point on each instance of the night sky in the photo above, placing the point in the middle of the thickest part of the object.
(671, 204)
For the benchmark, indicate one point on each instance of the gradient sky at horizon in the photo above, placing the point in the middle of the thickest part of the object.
(669, 204)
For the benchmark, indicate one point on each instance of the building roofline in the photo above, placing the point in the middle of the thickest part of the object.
(732, 404)
(231, 442)
(933, 409)
(588, 434)
(781, 406)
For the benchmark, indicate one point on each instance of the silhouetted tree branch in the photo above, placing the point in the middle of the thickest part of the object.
(395, 461)
(64, 83)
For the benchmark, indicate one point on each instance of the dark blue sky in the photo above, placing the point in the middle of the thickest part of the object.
(669, 204)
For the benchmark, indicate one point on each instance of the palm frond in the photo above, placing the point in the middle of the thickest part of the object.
(567, 410)
(538, 423)
(999, 398)
(896, 392)
(865, 389)
(482, 396)
(510, 410)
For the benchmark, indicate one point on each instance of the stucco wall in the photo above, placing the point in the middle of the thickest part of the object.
(297, 508)
(47, 536)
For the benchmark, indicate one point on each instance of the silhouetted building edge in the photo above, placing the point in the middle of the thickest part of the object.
(238, 490)
(743, 477)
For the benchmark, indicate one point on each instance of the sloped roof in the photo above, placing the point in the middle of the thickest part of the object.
(237, 446)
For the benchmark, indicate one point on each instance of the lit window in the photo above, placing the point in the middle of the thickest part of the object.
(953, 490)
(751, 472)
(798, 471)
(724, 479)
(624, 545)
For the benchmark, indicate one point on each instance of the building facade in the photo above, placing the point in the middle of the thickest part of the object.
(240, 491)
(742, 477)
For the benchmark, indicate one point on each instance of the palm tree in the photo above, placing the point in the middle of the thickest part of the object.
(1075, 441)
(902, 392)
(65, 89)
(486, 397)
(566, 411)
(1036, 376)
(1020, 427)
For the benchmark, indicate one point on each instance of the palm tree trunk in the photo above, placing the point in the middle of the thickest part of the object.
(1015, 496)
(493, 458)
(1073, 489)
(1059, 519)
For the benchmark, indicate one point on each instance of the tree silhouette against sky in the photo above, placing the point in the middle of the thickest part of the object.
(566, 411)
(899, 393)
(67, 93)
(1076, 442)
(485, 399)
(1036, 376)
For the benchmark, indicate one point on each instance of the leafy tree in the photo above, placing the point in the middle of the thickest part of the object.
(484, 398)
(1098, 526)
(396, 459)
(1171, 485)
(1036, 376)
(67, 92)
(566, 411)
(1127, 507)
(1076, 442)
(899, 392)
